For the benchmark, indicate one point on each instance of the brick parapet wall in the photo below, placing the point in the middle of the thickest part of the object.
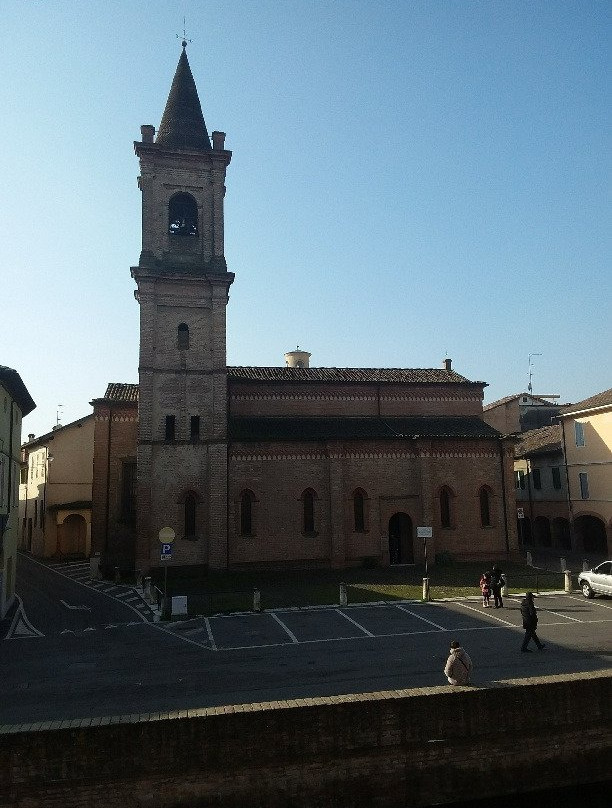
(397, 748)
(261, 399)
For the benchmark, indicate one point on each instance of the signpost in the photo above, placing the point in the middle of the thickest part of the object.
(425, 533)
(520, 515)
(166, 536)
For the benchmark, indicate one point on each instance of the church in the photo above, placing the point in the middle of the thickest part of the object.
(274, 467)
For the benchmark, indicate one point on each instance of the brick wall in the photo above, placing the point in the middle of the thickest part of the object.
(115, 431)
(408, 748)
(396, 476)
(326, 399)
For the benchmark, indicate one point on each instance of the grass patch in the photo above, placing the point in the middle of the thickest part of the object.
(229, 591)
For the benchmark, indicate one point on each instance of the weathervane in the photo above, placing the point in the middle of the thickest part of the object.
(184, 37)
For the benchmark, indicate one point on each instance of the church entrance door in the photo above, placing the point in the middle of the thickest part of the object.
(400, 539)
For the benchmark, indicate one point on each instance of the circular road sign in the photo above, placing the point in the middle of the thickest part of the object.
(167, 535)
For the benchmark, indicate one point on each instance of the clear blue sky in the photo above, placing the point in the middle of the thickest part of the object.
(411, 179)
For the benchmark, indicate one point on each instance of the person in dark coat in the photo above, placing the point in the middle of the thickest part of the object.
(530, 622)
(497, 582)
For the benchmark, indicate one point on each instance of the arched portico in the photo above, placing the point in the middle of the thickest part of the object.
(590, 533)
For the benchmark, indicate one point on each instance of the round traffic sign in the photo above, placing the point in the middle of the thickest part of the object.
(167, 535)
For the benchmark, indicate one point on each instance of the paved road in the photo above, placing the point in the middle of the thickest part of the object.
(77, 663)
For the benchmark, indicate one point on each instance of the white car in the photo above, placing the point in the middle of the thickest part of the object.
(597, 581)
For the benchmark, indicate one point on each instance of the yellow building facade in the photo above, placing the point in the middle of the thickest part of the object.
(586, 429)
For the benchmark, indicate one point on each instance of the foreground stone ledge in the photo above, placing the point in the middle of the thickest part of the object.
(408, 748)
(291, 704)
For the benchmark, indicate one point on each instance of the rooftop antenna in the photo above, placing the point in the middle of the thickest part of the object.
(529, 386)
(58, 414)
(184, 37)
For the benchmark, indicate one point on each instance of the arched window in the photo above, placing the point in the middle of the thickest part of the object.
(485, 507)
(182, 337)
(183, 216)
(308, 511)
(247, 499)
(446, 515)
(190, 516)
(359, 511)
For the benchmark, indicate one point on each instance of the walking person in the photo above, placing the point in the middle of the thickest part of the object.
(530, 623)
(497, 583)
(458, 668)
(485, 588)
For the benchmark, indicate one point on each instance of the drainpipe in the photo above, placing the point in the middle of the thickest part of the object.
(504, 503)
(530, 498)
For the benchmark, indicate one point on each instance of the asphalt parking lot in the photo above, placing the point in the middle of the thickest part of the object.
(335, 624)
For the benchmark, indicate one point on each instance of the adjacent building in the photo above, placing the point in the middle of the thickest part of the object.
(541, 490)
(521, 412)
(586, 434)
(15, 404)
(273, 466)
(55, 498)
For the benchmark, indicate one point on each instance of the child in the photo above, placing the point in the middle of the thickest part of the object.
(485, 588)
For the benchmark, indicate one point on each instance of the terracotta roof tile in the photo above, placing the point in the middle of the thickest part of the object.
(116, 391)
(545, 440)
(386, 375)
(598, 400)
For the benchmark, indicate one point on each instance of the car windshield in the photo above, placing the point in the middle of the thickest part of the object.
(604, 569)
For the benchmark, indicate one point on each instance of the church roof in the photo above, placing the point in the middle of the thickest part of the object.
(390, 375)
(182, 125)
(116, 391)
(321, 429)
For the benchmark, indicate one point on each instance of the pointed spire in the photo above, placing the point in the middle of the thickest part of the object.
(182, 125)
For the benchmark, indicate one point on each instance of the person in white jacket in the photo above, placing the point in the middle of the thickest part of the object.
(458, 669)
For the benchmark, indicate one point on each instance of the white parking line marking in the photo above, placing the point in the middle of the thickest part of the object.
(354, 622)
(178, 636)
(287, 629)
(213, 644)
(590, 601)
(564, 616)
(414, 614)
(492, 616)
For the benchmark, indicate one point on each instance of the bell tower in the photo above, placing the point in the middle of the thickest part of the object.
(182, 289)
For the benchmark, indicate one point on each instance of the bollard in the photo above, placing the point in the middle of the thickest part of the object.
(343, 600)
(94, 567)
(117, 576)
(256, 600)
(563, 565)
(425, 588)
(568, 580)
(529, 559)
(146, 591)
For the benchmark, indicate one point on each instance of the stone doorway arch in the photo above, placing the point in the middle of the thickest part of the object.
(591, 534)
(401, 549)
(72, 536)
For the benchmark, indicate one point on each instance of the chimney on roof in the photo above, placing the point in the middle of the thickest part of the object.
(218, 139)
(147, 133)
(30, 436)
(447, 364)
(297, 359)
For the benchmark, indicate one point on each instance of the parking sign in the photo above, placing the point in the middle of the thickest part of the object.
(166, 552)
